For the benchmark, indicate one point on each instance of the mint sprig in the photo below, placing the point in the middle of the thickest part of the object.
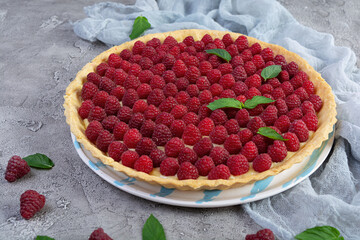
(153, 230)
(39, 160)
(140, 25)
(271, 72)
(234, 103)
(222, 53)
(270, 133)
(320, 233)
(43, 238)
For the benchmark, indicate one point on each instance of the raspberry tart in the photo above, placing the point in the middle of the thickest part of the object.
(143, 109)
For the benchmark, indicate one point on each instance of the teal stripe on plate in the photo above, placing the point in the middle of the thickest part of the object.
(259, 186)
(209, 196)
(163, 192)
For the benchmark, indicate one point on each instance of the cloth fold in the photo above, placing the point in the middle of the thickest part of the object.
(331, 196)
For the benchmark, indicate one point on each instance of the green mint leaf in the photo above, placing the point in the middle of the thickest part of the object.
(320, 233)
(43, 238)
(222, 53)
(153, 230)
(256, 100)
(271, 71)
(39, 160)
(140, 25)
(270, 133)
(225, 103)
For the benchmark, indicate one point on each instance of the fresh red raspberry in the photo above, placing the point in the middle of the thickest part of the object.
(302, 94)
(237, 61)
(161, 135)
(204, 112)
(94, 78)
(124, 114)
(125, 65)
(171, 41)
(106, 84)
(282, 123)
(135, 59)
(30, 203)
(309, 87)
(238, 164)
(147, 128)
(182, 56)
(265, 234)
(267, 54)
(169, 166)
(242, 117)
(99, 234)
(93, 129)
(156, 97)
(227, 81)
(205, 67)
(202, 56)
(240, 88)
(157, 156)
(287, 88)
(119, 77)
(103, 140)
(269, 115)
(155, 42)
(203, 147)
(293, 143)
(219, 134)
(118, 92)
(300, 129)
(250, 151)
(262, 162)
(242, 43)
(140, 106)
(145, 76)
(192, 74)
(85, 108)
(116, 149)
(189, 41)
(219, 155)
(307, 107)
(158, 69)
(199, 46)
(256, 111)
(258, 61)
(274, 82)
(147, 51)
(130, 97)
(112, 105)
(254, 124)
(283, 76)
(161, 53)
(294, 114)
(143, 164)
(233, 144)
(191, 118)
(88, 90)
(125, 54)
(225, 68)
(175, 50)
(232, 126)
(215, 61)
(292, 68)
(227, 40)
(96, 113)
(173, 147)
(265, 88)
(261, 142)
(145, 63)
(187, 171)
(151, 112)
(296, 81)
(132, 137)
(119, 130)
(128, 158)
(280, 60)
(316, 101)
(227, 93)
(250, 68)
(251, 237)
(16, 168)
(101, 68)
(191, 135)
(252, 92)
(292, 101)
(206, 39)
(135, 69)
(205, 97)
(219, 117)
(278, 93)
(281, 107)
(179, 111)
(109, 122)
(255, 48)
(110, 73)
(202, 83)
(138, 47)
(311, 121)
(213, 76)
(170, 90)
(245, 135)
(177, 128)
(253, 81)
(219, 172)
(191, 61)
(193, 105)
(182, 84)
(168, 104)
(206, 126)
(179, 68)
(187, 155)
(216, 89)
(164, 118)
(136, 120)
(277, 151)
(204, 165)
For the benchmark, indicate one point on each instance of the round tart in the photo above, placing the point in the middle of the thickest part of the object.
(141, 108)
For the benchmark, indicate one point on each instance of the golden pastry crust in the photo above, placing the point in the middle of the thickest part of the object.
(326, 117)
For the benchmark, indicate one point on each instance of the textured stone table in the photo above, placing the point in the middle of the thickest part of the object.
(39, 57)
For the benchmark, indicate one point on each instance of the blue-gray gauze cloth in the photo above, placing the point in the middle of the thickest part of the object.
(331, 196)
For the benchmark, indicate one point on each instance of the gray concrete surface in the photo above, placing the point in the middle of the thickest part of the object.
(39, 56)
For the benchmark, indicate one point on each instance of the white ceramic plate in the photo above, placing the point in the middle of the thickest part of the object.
(209, 198)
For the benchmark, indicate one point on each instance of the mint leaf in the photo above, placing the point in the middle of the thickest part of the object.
(153, 230)
(39, 160)
(320, 233)
(225, 103)
(270, 133)
(222, 53)
(256, 100)
(140, 25)
(271, 71)
(43, 238)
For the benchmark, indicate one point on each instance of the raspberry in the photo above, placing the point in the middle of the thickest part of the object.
(131, 82)
(265, 88)
(258, 61)
(205, 97)
(125, 65)
(170, 90)
(283, 76)
(171, 41)
(280, 60)
(243, 117)
(157, 156)
(169, 166)
(179, 111)
(138, 47)
(155, 42)
(140, 106)
(199, 46)
(262, 162)
(251, 237)
(307, 107)
(296, 81)
(227, 81)
(191, 61)
(158, 69)
(173, 147)
(216, 89)
(118, 92)
(219, 117)
(245, 135)
(206, 126)
(145, 76)
(107, 85)
(168, 104)
(187, 171)
(164, 118)
(99, 234)
(282, 123)
(132, 138)
(143, 164)
(94, 78)
(213, 76)
(232, 126)
(136, 120)
(265, 234)
(287, 88)
(316, 101)
(254, 124)
(191, 118)
(101, 68)
(269, 115)
(96, 113)
(189, 41)
(135, 69)
(187, 155)
(110, 73)
(151, 112)
(156, 97)
(250, 68)
(192, 74)
(311, 121)
(85, 108)
(202, 83)
(30, 203)
(145, 63)
(250, 151)
(277, 151)
(278, 93)
(147, 51)
(160, 54)
(292, 68)
(179, 68)
(227, 40)
(124, 114)
(128, 158)
(294, 114)
(253, 81)
(281, 107)
(191, 50)
(219, 155)
(203, 147)
(293, 143)
(191, 135)
(93, 129)
(205, 67)
(292, 101)
(147, 128)
(233, 144)
(116, 149)
(110, 122)
(193, 105)
(238, 164)
(130, 97)
(161, 135)
(112, 105)
(177, 128)
(125, 54)
(309, 87)
(301, 92)
(219, 134)
(103, 140)
(120, 76)
(16, 168)
(252, 92)
(256, 111)
(88, 90)
(219, 172)
(261, 143)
